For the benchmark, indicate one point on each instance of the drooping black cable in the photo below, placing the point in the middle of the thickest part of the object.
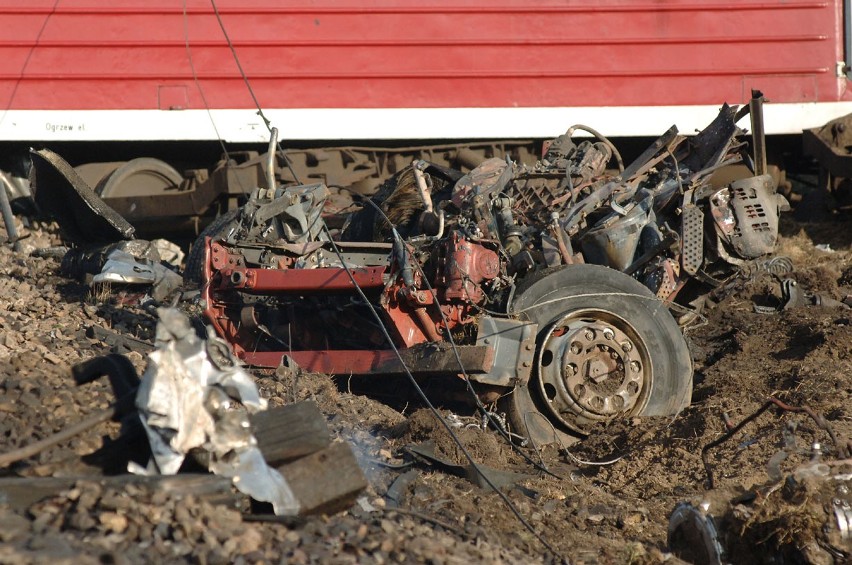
(431, 406)
(383, 328)
(479, 405)
(260, 113)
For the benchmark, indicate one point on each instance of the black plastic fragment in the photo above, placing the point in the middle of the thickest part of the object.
(82, 216)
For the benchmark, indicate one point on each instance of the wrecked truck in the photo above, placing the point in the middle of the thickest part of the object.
(551, 287)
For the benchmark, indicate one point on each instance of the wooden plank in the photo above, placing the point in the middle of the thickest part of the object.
(288, 432)
(327, 481)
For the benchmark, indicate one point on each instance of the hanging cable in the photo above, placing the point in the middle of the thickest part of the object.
(204, 97)
(466, 377)
(384, 330)
(260, 113)
(429, 404)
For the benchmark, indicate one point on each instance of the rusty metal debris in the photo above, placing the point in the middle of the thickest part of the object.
(819, 420)
(799, 517)
(830, 146)
(487, 273)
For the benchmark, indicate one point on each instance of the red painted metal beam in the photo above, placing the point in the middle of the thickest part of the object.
(420, 360)
(302, 280)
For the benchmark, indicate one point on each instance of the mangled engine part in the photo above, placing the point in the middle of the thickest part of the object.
(450, 306)
(456, 265)
(194, 395)
(652, 219)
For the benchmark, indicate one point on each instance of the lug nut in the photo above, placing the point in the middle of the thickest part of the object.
(589, 335)
(635, 366)
(627, 347)
(608, 333)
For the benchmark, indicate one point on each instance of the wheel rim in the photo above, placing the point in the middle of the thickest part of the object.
(593, 366)
(143, 176)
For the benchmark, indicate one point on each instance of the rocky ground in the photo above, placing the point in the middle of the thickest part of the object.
(606, 500)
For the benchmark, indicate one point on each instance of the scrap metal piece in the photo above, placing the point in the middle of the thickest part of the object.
(6, 212)
(692, 238)
(755, 206)
(127, 262)
(614, 241)
(513, 342)
(191, 399)
(792, 295)
(843, 514)
(693, 536)
(83, 217)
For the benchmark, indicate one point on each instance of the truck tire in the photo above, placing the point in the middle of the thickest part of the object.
(195, 258)
(606, 348)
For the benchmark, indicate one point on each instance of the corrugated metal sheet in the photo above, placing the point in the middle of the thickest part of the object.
(78, 54)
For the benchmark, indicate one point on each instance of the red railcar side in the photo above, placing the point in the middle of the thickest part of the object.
(388, 69)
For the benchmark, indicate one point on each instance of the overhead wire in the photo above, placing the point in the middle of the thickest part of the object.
(260, 113)
(200, 89)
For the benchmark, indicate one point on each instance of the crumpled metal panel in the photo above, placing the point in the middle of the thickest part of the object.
(194, 395)
(755, 206)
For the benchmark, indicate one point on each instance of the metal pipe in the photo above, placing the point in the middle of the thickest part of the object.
(270, 163)
(427, 324)
(564, 245)
(6, 210)
(755, 110)
(425, 194)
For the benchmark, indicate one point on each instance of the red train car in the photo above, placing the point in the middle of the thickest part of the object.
(78, 70)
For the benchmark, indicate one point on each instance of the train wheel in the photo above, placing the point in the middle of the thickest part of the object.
(607, 348)
(139, 177)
